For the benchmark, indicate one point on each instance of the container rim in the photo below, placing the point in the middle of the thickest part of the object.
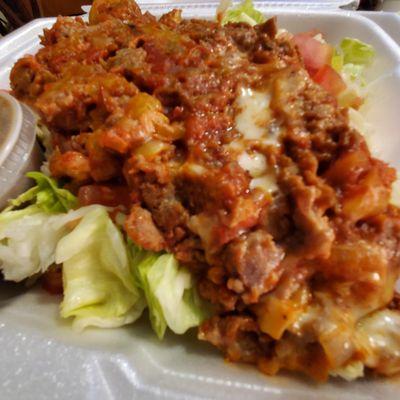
(12, 135)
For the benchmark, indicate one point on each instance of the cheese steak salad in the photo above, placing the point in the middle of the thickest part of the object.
(211, 172)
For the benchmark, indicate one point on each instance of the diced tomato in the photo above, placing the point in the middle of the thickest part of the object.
(329, 79)
(315, 54)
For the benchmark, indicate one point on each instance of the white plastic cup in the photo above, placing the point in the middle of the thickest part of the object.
(19, 150)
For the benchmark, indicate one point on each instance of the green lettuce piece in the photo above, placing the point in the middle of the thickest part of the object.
(337, 61)
(50, 197)
(143, 268)
(353, 71)
(170, 292)
(28, 240)
(244, 12)
(46, 195)
(31, 227)
(99, 284)
(356, 52)
(23, 199)
(351, 57)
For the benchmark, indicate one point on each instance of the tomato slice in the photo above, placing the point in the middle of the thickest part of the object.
(329, 79)
(315, 54)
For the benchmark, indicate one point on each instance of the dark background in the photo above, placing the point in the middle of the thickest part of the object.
(19, 12)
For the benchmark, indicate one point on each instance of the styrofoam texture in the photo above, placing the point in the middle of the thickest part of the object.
(42, 358)
(389, 21)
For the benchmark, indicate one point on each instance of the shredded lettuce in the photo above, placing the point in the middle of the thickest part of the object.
(99, 285)
(106, 282)
(143, 262)
(170, 292)
(45, 196)
(337, 60)
(28, 239)
(244, 12)
(351, 57)
(356, 52)
(31, 227)
(354, 72)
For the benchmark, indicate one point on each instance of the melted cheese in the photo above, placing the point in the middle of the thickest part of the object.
(195, 169)
(252, 120)
(381, 331)
(255, 163)
(266, 182)
(350, 372)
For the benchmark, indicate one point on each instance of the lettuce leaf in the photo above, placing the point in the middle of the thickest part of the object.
(28, 240)
(170, 292)
(356, 52)
(46, 195)
(244, 12)
(106, 283)
(353, 71)
(50, 197)
(351, 57)
(29, 234)
(337, 60)
(99, 285)
(142, 268)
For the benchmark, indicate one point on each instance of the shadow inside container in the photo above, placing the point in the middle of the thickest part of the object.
(192, 345)
(10, 290)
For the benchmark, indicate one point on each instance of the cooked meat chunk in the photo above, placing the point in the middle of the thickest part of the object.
(255, 259)
(142, 230)
(70, 164)
(82, 97)
(124, 10)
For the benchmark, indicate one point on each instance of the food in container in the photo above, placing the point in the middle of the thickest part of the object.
(64, 255)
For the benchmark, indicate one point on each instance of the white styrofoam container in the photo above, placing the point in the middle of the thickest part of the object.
(389, 21)
(42, 358)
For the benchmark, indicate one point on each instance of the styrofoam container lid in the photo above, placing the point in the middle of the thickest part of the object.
(260, 4)
(19, 151)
